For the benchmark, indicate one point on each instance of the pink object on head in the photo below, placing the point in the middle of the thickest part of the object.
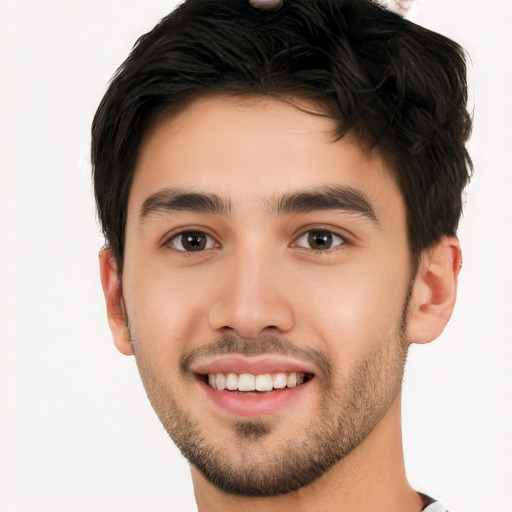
(405, 5)
(266, 5)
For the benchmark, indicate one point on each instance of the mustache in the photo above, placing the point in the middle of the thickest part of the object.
(268, 345)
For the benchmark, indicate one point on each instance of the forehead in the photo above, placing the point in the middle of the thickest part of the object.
(252, 149)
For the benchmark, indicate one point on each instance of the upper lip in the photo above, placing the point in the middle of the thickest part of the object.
(255, 365)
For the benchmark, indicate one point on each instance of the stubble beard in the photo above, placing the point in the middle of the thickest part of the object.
(347, 414)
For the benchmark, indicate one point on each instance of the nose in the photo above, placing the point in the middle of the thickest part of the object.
(253, 298)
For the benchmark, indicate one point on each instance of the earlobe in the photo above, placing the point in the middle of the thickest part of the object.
(116, 313)
(434, 291)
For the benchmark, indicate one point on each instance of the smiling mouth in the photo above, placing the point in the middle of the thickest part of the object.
(248, 383)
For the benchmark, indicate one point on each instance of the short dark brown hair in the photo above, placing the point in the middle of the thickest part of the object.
(396, 85)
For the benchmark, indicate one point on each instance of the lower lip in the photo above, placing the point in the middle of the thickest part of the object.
(253, 405)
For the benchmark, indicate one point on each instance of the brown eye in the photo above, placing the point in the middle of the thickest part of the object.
(192, 241)
(319, 240)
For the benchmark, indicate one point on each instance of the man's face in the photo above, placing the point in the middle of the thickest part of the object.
(261, 254)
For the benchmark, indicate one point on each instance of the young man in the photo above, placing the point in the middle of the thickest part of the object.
(280, 185)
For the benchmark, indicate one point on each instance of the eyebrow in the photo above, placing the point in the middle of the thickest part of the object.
(316, 199)
(169, 200)
(326, 198)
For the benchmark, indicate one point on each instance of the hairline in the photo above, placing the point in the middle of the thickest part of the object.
(303, 102)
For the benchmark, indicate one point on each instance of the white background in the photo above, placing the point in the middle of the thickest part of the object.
(77, 433)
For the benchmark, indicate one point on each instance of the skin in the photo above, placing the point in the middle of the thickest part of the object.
(259, 279)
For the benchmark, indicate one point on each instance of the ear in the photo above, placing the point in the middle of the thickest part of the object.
(434, 291)
(116, 313)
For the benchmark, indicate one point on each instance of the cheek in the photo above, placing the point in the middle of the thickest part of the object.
(165, 309)
(354, 307)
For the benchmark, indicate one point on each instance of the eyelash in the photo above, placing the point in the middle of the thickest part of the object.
(211, 243)
(191, 232)
(319, 231)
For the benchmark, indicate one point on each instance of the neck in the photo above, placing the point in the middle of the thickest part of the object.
(370, 479)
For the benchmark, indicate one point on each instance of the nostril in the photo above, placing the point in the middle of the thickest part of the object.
(249, 313)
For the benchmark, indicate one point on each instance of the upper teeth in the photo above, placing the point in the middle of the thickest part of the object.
(251, 382)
